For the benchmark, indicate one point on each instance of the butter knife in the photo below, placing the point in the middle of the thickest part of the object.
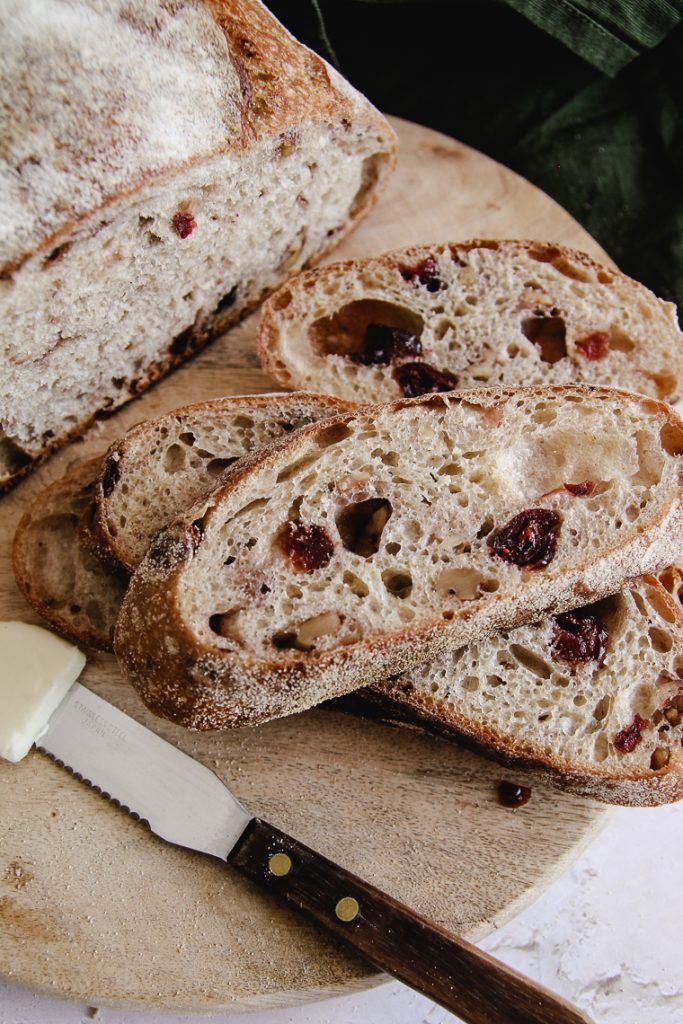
(185, 803)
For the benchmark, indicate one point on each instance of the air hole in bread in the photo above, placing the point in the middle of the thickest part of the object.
(388, 458)
(296, 467)
(281, 299)
(660, 605)
(344, 333)
(217, 466)
(361, 525)
(187, 438)
(224, 624)
(548, 334)
(398, 582)
(174, 459)
(531, 661)
(665, 383)
(372, 168)
(333, 434)
(660, 639)
(619, 341)
(671, 439)
(465, 584)
(355, 584)
(602, 708)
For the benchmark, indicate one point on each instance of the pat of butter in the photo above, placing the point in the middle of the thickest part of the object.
(36, 670)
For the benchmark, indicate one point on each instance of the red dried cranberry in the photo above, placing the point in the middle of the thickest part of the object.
(579, 636)
(426, 273)
(307, 547)
(580, 490)
(384, 344)
(512, 795)
(422, 379)
(628, 739)
(184, 223)
(196, 533)
(529, 539)
(594, 346)
(111, 474)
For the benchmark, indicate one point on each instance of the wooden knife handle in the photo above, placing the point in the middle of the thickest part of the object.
(449, 970)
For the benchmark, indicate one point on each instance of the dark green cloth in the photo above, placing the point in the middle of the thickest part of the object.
(582, 97)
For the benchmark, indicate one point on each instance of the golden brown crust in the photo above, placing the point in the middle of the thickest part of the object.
(636, 790)
(270, 85)
(203, 687)
(281, 84)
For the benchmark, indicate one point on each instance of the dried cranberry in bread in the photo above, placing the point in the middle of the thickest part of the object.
(592, 699)
(432, 318)
(163, 466)
(66, 584)
(164, 167)
(367, 543)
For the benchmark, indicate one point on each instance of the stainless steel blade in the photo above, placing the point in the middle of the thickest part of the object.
(180, 799)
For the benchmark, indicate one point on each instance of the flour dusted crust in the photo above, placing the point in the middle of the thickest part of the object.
(220, 628)
(163, 466)
(486, 312)
(511, 697)
(165, 167)
(65, 584)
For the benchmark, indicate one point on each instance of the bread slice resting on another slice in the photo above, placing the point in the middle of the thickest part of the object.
(466, 315)
(592, 699)
(162, 466)
(74, 573)
(377, 540)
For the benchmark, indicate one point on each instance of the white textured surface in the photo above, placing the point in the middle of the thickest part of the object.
(607, 936)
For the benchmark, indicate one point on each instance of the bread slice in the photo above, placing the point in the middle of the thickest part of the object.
(592, 700)
(161, 467)
(431, 318)
(65, 584)
(377, 540)
(196, 158)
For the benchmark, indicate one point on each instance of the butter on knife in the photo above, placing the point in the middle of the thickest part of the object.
(36, 670)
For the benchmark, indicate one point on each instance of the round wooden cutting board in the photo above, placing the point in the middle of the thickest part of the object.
(94, 907)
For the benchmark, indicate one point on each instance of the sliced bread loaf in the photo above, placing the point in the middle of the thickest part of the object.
(432, 318)
(164, 167)
(377, 540)
(163, 466)
(66, 584)
(592, 699)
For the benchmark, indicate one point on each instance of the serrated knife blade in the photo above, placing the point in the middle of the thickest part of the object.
(180, 799)
(185, 803)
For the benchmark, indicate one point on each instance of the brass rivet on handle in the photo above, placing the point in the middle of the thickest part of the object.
(347, 908)
(280, 864)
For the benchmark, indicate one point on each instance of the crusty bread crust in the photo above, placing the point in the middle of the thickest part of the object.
(436, 696)
(254, 83)
(60, 579)
(202, 684)
(486, 311)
